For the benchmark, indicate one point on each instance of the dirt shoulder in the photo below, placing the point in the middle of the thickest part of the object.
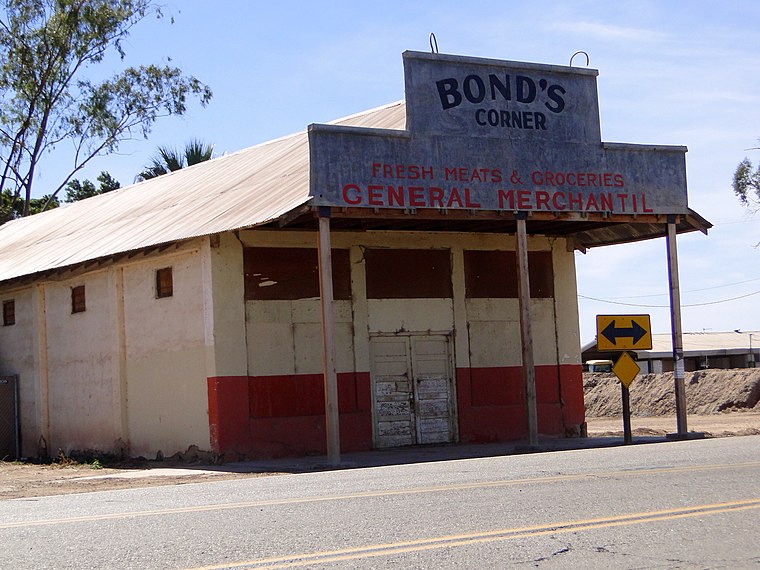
(713, 425)
(23, 480)
(721, 403)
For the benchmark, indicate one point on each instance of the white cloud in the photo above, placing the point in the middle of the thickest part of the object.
(608, 31)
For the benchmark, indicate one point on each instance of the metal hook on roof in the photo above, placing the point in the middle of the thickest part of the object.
(433, 43)
(588, 60)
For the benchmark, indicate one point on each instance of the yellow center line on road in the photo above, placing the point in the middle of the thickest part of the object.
(450, 541)
(381, 493)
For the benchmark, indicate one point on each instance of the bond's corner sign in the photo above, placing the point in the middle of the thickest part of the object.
(495, 135)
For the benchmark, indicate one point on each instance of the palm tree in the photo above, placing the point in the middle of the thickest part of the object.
(169, 159)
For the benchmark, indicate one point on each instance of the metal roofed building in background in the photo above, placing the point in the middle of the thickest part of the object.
(734, 349)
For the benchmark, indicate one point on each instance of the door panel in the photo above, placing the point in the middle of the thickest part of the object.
(8, 420)
(430, 365)
(412, 386)
(394, 416)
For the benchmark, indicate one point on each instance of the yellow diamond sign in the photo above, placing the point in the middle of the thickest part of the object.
(626, 369)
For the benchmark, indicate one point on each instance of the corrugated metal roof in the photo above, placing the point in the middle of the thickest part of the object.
(696, 343)
(244, 189)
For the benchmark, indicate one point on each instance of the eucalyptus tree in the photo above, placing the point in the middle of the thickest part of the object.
(746, 184)
(48, 94)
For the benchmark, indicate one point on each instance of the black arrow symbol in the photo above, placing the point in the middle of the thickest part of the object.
(636, 332)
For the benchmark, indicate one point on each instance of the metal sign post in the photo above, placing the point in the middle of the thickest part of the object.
(623, 333)
(626, 370)
(626, 398)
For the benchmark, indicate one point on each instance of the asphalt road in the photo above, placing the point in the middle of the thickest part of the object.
(670, 505)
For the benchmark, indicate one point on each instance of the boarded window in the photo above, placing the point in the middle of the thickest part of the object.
(77, 299)
(289, 273)
(164, 283)
(493, 274)
(9, 312)
(408, 273)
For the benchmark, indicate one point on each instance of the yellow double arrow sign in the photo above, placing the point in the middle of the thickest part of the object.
(623, 332)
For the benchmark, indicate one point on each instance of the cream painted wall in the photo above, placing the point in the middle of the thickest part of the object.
(147, 384)
(410, 315)
(80, 362)
(285, 337)
(494, 332)
(132, 367)
(224, 286)
(18, 356)
(566, 301)
(487, 330)
(167, 394)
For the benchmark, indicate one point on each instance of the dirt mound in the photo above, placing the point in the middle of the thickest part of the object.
(707, 392)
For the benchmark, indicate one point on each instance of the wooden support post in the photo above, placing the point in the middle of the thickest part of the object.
(526, 334)
(676, 330)
(328, 338)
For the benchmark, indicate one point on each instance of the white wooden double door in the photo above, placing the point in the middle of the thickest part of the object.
(412, 390)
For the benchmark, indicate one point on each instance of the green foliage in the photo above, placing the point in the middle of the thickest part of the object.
(46, 50)
(76, 190)
(746, 184)
(12, 207)
(169, 159)
(76, 458)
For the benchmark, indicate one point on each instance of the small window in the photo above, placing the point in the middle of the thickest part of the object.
(9, 313)
(77, 299)
(164, 283)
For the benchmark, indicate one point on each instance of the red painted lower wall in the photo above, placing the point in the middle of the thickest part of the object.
(280, 416)
(491, 402)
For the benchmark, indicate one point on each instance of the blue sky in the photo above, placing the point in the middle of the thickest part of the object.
(677, 72)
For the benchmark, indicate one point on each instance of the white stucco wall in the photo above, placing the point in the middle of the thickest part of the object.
(133, 368)
(18, 352)
(80, 362)
(166, 396)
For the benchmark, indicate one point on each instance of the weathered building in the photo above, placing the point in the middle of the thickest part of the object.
(188, 309)
(701, 350)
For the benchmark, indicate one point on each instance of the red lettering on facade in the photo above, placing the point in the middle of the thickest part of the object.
(374, 195)
(396, 195)
(644, 204)
(523, 200)
(509, 198)
(436, 197)
(417, 196)
(352, 194)
(469, 202)
(454, 197)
